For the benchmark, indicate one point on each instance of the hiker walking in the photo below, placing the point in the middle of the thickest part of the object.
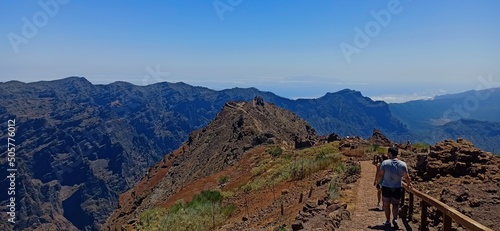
(377, 161)
(391, 173)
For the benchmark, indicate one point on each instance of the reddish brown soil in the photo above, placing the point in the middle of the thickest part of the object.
(260, 209)
(238, 175)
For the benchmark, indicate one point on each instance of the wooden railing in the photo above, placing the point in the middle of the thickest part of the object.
(449, 213)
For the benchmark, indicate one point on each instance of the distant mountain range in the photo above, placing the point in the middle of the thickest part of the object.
(483, 105)
(81, 145)
(473, 115)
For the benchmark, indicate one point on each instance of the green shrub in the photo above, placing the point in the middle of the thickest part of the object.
(372, 148)
(223, 179)
(297, 170)
(150, 217)
(246, 188)
(334, 188)
(353, 170)
(381, 150)
(275, 152)
(228, 210)
(420, 146)
(227, 194)
(280, 228)
(340, 168)
(298, 166)
(206, 196)
(177, 206)
(204, 212)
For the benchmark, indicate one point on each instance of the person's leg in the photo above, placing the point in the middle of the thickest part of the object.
(395, 211)
(379, 195)
(387, 208)
(386, 199)
(395, 208)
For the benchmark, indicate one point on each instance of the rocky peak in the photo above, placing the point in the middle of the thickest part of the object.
(239, 127)
(259, 101)
(380, 139)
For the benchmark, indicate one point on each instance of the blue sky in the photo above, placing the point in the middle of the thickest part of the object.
(292, 48)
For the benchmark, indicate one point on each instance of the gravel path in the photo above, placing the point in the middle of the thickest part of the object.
(365, 216)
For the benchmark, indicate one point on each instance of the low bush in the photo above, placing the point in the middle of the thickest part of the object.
(334, 188)
(301, 164)
(420, 146)
(223, 179)
(353, 170)
(203, 212)
(275, 151)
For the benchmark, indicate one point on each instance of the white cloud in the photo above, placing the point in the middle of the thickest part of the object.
(401, 98)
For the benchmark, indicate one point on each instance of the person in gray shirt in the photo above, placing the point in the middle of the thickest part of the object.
(391, 172)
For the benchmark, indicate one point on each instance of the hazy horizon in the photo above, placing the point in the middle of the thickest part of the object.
(391, 50)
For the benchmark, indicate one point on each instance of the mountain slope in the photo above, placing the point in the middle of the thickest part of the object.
(239, 127)
(474, 115)
(347, 112)
(89, 143)
(424, 114)
(483, 134)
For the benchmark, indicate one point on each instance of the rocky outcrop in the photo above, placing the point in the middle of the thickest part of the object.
(326, 213)
(380, 139)
(323, 213)
(329, 138)
(457, 159)
(461, 176)
(353, 142)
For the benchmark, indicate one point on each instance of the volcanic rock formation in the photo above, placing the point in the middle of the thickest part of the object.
(239, 127)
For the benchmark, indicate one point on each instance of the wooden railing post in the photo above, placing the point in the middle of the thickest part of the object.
(410, 208)
(423, 215)
(446, 222)
(402, 197)
(282, 209)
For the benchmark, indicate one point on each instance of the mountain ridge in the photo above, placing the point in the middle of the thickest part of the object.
(109, 134)
(450, 116)
(238, 128)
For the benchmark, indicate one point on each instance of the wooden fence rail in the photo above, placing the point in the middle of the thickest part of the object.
(449, 213)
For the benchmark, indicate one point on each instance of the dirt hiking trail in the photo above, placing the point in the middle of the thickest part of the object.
(364, 213)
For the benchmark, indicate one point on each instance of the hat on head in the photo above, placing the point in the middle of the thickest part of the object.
(394, 151)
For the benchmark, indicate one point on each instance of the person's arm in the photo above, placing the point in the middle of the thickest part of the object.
(380, 175)
(407, 178)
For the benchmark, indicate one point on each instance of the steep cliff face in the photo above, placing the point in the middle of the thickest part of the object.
(239, 127)
(59, 139)
(80, 145)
